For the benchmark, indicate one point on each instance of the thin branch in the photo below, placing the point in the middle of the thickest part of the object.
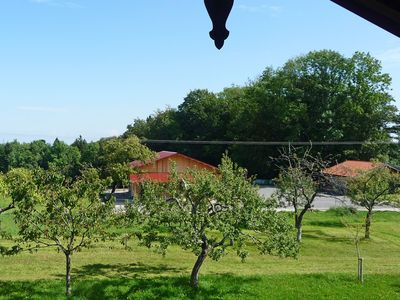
(38, 247)
(381, 193)
(221, 242)
(82, 240)
(253, 238)
(177, 202)
(10, 206)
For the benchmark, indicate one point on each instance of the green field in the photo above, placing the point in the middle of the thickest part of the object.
(325, 269)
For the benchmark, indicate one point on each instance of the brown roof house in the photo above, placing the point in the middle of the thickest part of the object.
(348, 169)
(351, 168)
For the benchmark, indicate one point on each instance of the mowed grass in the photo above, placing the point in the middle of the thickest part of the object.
(325, 269)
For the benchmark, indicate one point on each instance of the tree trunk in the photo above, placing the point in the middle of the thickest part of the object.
(194, 277)
(368, 223)
(113, 189)
(68, 274)
(299, 228)
(299, 219)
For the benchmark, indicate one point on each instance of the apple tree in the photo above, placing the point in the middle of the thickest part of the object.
(69, 215)
(208, 213)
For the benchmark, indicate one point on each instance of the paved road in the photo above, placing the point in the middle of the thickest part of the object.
(322, 202)
(325, 202)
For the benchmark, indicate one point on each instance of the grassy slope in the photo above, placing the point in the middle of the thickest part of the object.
(327, 264)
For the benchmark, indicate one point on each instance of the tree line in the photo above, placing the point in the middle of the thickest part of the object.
(320, 96)
(41, 154)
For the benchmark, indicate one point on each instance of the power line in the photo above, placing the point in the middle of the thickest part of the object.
(268, 143)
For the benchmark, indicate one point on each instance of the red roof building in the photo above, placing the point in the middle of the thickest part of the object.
(159, 169)
(351, 168)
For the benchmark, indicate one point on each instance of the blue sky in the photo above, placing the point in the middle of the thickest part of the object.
(90, 67)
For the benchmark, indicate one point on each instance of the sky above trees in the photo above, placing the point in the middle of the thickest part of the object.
(89, 67)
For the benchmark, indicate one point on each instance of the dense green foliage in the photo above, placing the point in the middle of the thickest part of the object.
(17, 189)
(110, 156)
(321, 96)
(39, 154)
(115, 156)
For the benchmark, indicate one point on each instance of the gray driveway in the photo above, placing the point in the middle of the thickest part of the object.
(321, 202)
(324, 201)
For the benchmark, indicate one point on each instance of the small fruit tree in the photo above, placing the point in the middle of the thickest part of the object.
(69, 215)
(374, 187)
(208, 213)
(299, 181)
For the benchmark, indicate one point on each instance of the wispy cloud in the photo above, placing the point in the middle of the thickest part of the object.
(261, 8)
(59, 3)
(390, 57)
(42, 109)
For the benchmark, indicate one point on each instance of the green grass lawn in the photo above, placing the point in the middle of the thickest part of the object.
(325, 269)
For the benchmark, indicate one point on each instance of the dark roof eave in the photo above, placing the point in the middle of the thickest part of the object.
(383, 13)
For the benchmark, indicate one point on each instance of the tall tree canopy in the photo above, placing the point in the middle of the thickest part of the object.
(320, 96)
(340, 99)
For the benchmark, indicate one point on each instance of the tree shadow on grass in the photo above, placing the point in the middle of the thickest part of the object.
(31, 290)
(396, 287)
(327, 223)
(120, 271)
(211, 287)
(321, 235)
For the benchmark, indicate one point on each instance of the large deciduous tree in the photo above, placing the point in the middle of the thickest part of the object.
(209, 212)
(341, 98)
(69, 215)
(374, 187)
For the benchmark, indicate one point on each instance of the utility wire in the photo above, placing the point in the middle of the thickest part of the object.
(267, 143)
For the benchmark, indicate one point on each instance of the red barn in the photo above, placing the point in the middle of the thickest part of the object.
(159, 169)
